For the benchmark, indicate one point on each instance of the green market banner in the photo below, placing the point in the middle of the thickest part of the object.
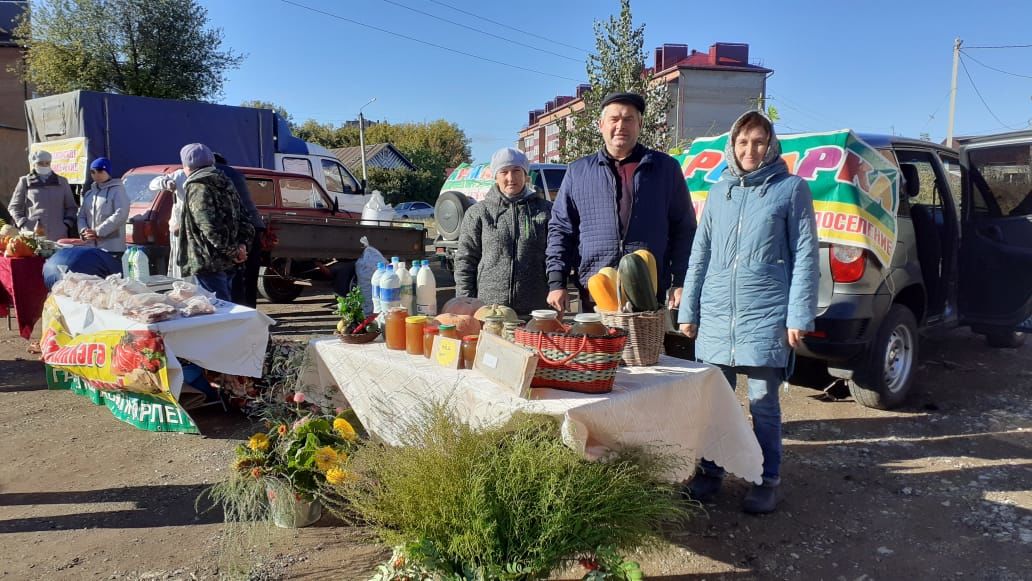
(855, 189)
(471, 180)
(127, 370)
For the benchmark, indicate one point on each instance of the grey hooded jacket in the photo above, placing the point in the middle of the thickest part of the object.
(501, 254)
(105, 209)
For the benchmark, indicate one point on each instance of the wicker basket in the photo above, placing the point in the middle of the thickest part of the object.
(644, 335)
(574, 362)
(360, 339)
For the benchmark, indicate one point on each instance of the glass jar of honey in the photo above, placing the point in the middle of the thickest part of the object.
(469, 350)
(449, 331)
(428, 340)
(494, 325)
(589, 324)
(544, 321)
(414, 334)
(395, 331)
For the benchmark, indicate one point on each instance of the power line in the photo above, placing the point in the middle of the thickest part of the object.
(977, 92)
(502, 24)
(484, 32)
(420, 41)
(1004, 46)
(932, 116)
(996, 69)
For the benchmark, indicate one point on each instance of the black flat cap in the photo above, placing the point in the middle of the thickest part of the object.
(633, 99)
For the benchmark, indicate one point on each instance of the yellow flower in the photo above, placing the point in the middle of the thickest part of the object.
(258, 443)
(345, 429)
(336, 476)
(325, 458)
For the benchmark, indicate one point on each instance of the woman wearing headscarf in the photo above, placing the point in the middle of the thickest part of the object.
(750, 293)
(43, 198)
(501, 253)
(105, 209)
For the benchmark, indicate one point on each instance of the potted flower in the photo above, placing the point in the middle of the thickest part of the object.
(283, 474)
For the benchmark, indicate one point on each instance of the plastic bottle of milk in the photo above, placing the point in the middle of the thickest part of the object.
(413, 273)
(408, 298)
(390, 290)
(426, 291)
(375, 286)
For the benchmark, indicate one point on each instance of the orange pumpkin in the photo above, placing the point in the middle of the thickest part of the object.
(462, 306)
(17, 248)
(465, 324)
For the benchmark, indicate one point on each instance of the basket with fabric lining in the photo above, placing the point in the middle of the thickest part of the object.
(574, 362)
(644, 335)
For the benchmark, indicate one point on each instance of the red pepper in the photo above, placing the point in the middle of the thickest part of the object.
(364, 324)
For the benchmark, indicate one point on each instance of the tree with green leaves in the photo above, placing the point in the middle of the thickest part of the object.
(617, 65)
(259, 104)
(151, 48)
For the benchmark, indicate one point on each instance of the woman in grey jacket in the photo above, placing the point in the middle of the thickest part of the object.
(501, 254)
(751, 289)
(105, 209)
(43, 198)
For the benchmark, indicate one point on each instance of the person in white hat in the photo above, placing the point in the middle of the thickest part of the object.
(501, 254)
(44, 199)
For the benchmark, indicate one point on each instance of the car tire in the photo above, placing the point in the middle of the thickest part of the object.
(1005, 339)
(274, 287)
(890, 364)
(449, 210)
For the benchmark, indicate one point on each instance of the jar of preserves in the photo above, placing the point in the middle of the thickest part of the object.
(428, 340)
(509, 330)
(395, 331)
(414, 334)
(544, 321)
(494, 325)
(469, 350)
(589, 324)
(449, 331)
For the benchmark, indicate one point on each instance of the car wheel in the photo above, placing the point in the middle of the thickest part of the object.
(1005, 339)
(888, 372)
(274, 287)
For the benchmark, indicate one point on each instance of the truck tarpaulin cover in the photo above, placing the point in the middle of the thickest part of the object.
(134, 131)
(855, 189)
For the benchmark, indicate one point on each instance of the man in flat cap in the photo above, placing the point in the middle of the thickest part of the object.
(623, 198)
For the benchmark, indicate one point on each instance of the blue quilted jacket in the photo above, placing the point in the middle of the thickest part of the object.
(584, 231)
(754, 268)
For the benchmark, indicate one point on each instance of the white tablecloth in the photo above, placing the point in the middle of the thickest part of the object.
(685, 406)
(231, 340)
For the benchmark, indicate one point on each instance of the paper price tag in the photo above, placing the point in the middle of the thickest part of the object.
(447, 352)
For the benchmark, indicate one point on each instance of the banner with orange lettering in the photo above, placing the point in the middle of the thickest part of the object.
(855, 188)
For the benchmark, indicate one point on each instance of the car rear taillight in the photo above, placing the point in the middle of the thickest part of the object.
(847, 263)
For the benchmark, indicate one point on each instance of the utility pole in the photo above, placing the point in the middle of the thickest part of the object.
(953, 93)
(361, 138)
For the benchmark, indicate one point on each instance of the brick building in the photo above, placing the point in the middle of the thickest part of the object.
(708, 91)
(13, 93)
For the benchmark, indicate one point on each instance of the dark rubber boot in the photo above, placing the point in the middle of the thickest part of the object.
(703, 488)
(761, 499)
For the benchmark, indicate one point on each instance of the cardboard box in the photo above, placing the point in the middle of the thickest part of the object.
(506, 364)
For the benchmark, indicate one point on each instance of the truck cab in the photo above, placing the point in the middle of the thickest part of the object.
(320, 164)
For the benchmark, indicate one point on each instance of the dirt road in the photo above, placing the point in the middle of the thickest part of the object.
(938, 489)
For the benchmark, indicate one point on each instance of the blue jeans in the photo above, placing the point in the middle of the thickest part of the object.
(765, 408)
(216, 282)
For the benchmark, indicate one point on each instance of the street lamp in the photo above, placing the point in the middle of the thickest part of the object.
(361, 138)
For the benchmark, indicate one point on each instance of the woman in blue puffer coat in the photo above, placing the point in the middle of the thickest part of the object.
(751, 289)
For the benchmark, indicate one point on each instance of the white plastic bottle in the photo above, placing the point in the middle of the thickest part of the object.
(390, 290)
(127, 263)
(426, 291)
(408, 298)
(413, 274)
(374, 283)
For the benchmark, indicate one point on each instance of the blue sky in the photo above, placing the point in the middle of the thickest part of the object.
(876, 66)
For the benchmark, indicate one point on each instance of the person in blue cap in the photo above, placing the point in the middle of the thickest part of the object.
(104, 211)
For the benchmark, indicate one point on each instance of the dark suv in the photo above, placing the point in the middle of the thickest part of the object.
(963, 257)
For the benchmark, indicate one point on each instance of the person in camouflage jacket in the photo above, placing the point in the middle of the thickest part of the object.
(215, 232)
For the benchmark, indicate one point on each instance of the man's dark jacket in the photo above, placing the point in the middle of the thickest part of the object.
(584, 231)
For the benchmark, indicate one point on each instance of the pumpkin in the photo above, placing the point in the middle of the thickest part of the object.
(603, 292)
(636, 282)
(650, 261)
(8, 231)
(465, 324)
(506, 313)
(462, 306)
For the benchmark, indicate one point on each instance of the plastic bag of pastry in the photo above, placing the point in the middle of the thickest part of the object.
(197, 305)
(151, 313)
